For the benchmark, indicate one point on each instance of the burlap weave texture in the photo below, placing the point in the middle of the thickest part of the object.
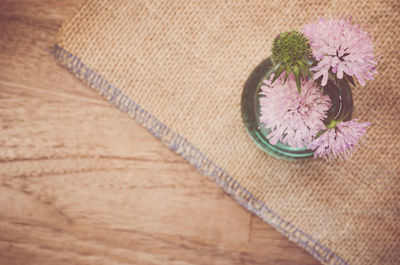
(179, 67)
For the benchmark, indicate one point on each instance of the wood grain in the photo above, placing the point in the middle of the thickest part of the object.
(82, 183)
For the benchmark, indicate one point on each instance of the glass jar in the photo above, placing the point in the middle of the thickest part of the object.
(342, 106)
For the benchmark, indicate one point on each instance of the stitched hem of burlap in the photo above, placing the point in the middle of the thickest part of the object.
(193, 155)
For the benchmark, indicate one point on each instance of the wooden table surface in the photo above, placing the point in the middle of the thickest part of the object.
(82, 183)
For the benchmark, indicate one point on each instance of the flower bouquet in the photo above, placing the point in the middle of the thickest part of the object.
(298, 103)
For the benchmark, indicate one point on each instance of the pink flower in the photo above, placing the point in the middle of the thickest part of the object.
(294, 119)
(341, 47)
(339, 142)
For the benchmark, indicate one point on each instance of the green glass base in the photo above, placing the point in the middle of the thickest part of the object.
(342, 105)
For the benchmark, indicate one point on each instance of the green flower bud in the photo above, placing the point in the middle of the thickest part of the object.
(291, 53)
(290, 47)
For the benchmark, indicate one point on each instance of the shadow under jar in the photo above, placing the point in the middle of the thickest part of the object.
(342, 106)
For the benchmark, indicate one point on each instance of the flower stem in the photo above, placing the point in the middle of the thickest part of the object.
(332, 124)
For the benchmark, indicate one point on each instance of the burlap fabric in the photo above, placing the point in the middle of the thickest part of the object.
(179, 67)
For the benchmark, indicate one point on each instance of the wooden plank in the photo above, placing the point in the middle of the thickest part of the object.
(82, 183)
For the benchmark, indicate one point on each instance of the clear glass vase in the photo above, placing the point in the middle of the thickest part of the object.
(342, 106)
